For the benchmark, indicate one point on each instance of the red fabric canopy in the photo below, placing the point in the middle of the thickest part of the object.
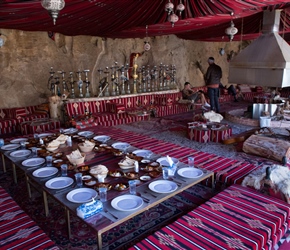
(204, 20)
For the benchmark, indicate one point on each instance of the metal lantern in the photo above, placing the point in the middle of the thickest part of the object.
(1, 41)
(173, 19)
(53, 7)
(180, 7)
(169, 7)
(231, 31)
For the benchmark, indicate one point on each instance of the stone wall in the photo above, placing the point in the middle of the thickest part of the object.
(26, 58)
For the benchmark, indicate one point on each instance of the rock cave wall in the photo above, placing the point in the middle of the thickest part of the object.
(26, 58)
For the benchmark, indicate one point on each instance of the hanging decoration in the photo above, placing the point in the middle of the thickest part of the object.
(147, 46)
(232, 30)
(172, 17)
(1, 41)
(53, 7)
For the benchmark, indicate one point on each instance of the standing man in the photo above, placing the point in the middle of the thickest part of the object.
(212, 80)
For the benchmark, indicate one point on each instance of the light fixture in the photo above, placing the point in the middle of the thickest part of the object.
(172, 17)
(147, 46)
(232, 30)
(1, 41)
(53, 7)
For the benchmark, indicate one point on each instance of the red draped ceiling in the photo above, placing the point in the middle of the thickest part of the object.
(204, 20)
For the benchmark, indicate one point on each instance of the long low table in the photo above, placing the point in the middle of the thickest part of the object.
(109, 217)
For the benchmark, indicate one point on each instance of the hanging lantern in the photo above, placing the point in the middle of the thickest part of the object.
(53, 7)
(231, 31)
(169, 7)
(173, 19)
(1, 41)
(180, 7)
(147, 46)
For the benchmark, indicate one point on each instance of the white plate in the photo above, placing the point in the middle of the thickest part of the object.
(81, 195)
(18, 140)
(121, 145)
(10, 146)
(20, 153)
(143, 152)
(85, 133)
(70, 130)
(59, 182)
(32, 162)
(102, 138)
(163, 161)
(163, 186)
(127, 202)
(45, 172)
(45, 135)
(190, 172)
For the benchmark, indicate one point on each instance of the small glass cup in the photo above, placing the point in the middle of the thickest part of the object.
(22, 144)
(79, 179)
(63, 168)
(35, 136)
(190, 161)
(103, 194)
(165, 173)
(34, 151)
(132, 187)
(2, 142)
(48, 160)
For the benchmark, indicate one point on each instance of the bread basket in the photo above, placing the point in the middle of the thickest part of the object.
(77, 161)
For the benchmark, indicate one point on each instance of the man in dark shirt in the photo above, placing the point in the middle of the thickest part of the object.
(212, 80)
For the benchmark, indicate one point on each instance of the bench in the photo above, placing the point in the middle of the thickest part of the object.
(236, 218)
(17, 230)
(11, 118)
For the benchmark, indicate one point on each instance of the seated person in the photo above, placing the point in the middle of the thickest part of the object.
(231, 90)
(189, 94)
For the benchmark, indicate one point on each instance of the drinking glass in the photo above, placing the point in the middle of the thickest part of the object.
(1, 142)
(48, 160)
(132, 187)
(79, 180)
(190, 161)
(35, 136)
(22, 144)
(63, 168)
(103, 194)
(165, 173)
(34, 151)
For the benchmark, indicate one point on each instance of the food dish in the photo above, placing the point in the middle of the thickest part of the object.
(145, 178)
(70, 130)
(116, 173)
(121, 145)
(163, 186)
(143, 152)
(85, 133)
(45, 172)
(131, 175)
(33, 162)
(127, 202)
(20, 153)
(121, 186)
(163, 161)
(10, 146)
(81, 195)
(190, 172)
(45, 135)
(59, 182)
(102, 138)
(18, 140)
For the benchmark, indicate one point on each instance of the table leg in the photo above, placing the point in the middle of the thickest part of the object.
(45, 203)
(14, 173)
(212, 181)
(100, 243)
(28, 186)
(3, 163)
(67, 218)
